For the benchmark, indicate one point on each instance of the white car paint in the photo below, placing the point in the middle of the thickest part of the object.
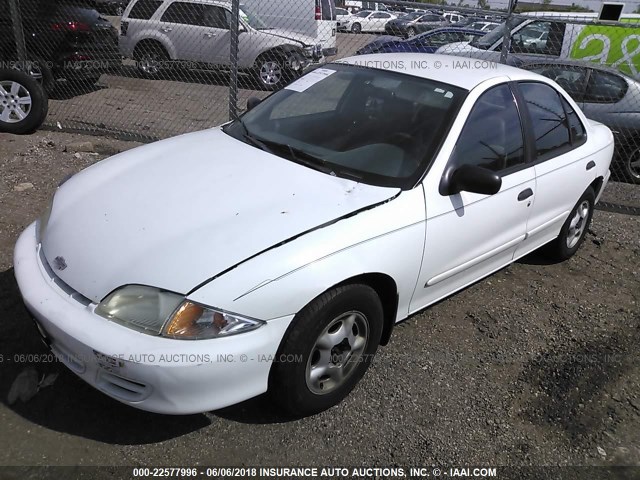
(236, 228)
(373, 22)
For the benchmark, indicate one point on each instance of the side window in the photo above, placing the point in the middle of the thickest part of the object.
(549, 120)
(578, 133)
(492, 136)
(605, 87)
(185, 13)
(144, 9)
(216, 17)
(539, 37)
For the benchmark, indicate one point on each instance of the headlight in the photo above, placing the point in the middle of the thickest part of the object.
(158, 312)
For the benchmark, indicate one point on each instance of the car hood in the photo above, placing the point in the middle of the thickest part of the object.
(297, 37)
(457, 48)
(175, 213)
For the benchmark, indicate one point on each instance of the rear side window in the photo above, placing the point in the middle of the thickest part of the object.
(492, 136)
(605, 87)
(576, 128)
(185, 13)
(144, 9)
(548, 118)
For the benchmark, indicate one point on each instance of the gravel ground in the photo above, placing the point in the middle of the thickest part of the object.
(536, 365)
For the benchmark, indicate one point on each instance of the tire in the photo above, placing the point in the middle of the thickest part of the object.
(411, 32)
(119, 10)
(292, 385)
(631, 166)
(271, 72)
(149, 58)
(356, 28)
(574, 229)
(23, 102)
(40, 71)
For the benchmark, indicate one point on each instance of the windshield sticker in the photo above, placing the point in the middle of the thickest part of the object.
(310, 79)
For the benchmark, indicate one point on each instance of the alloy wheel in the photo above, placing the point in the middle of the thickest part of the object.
(15, 102)
(270, 73)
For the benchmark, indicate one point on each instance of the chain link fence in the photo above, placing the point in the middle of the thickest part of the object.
(150, 69)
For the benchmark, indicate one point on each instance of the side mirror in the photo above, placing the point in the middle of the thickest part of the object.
(474, 179)
(253, 102)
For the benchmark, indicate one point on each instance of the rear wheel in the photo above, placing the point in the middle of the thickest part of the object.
(23, 102)
(631, 164)
(574, 229)
(327, 349)
(151, 59)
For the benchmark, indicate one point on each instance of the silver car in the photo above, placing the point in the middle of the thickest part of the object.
(607, 96)
(161, 34)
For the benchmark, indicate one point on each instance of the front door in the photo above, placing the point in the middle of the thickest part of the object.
(470, 235)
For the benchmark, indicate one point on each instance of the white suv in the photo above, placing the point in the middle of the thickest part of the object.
(157, 33)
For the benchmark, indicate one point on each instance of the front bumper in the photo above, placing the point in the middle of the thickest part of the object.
(148, 372)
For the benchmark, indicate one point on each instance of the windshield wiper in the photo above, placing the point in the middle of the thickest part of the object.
(253, 140)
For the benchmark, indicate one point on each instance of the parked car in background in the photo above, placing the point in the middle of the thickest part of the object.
(110, 7)
(482, 25)
(381, 191)
(608, 96)
(158, 32)
(313, 20)
(427, 42)
(342, 15)
(414, 23)
(369, 21)
(453, 17)
(23, 102)
(64, 41)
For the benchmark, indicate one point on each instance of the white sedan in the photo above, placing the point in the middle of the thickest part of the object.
(277, 252)
(367, 21)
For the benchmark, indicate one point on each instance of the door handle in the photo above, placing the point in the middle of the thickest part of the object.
(591, 165)
(166, 29)
(525, 194)
(209, 35)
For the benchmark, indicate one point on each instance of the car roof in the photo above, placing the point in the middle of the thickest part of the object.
(468, 78)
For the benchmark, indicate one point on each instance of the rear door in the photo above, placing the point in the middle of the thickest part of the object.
(563, 166)
(194, 30)
(326, 23)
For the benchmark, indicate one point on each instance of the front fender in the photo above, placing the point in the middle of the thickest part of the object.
(387, 239)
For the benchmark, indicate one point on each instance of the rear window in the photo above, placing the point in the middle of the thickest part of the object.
(144, 9)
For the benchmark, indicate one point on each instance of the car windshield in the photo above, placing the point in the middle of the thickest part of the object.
(363, 14)
(252, 19)
(375, 126)
(485, 42)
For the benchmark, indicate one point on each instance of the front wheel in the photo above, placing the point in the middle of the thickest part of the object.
(411, 32)
(574, 229)
(272, 72)
(356, 28)
(327, 349)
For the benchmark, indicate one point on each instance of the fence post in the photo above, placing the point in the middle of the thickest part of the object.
(18, 32)
(506, 39)
(233, 57)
